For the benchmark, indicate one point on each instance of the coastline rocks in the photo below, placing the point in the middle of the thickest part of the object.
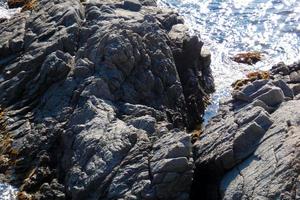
(15, 3)
(251, 148)
(133, 5)
(97, 100)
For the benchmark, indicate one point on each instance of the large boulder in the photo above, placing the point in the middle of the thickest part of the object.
(96, 103)
(250, 150)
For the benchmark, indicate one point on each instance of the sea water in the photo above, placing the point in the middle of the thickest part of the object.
(7, 192)
(227, 27)
(6, 13)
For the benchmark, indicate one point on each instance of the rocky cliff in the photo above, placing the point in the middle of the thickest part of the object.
(251, 149)
(97, 99)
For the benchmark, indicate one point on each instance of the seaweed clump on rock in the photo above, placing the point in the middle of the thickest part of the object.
(250, 77)
(249, 58)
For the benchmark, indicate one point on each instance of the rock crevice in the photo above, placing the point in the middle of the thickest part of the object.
(251, 144)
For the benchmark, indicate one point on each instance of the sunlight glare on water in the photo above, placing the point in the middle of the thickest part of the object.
(7, 192)
(231, 26)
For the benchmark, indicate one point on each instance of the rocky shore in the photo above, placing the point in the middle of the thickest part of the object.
(251, 149)
(99, 100)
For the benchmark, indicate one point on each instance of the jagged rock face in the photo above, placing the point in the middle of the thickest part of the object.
(96, 99)
(250, 150)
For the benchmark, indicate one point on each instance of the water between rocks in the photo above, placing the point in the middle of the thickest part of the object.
(6, 13)
(230, 26)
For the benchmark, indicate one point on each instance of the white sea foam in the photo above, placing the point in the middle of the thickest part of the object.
(231, 26)
(6, 13)
(7, 192)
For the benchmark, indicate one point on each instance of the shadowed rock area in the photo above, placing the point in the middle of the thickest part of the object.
(97, 98)
(250, 150)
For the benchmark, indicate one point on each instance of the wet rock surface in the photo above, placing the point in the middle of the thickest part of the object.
(250, 150)
(96, 100)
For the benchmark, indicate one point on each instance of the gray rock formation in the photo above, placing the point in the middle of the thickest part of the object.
(250, 150)
(96, 100)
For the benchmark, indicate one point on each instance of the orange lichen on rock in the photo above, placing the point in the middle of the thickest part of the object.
(252, 76)
(258, 75)
(206, 100)
(25, 4)
(196, 133)
(5, 144)
(8, 154)
(2, 124)
(249, 58)
(24, 196)
(29, 5)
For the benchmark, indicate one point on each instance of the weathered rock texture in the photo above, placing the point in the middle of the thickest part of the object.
(96, 100)
(251, 149)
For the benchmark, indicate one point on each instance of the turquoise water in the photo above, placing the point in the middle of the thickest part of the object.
(231, 26)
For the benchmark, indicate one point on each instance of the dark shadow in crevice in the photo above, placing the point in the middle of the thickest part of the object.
(205, 184)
